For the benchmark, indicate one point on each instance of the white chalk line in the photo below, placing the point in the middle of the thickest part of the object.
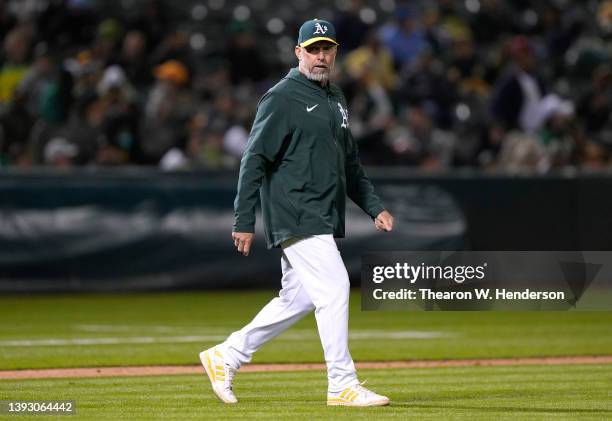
(132, 328)
(356, 335)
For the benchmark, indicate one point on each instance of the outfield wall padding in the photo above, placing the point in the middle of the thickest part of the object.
(137, 229)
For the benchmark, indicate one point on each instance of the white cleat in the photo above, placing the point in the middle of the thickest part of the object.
(221, 375)
(356, 395)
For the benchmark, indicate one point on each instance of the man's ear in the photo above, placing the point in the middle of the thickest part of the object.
(298, 50)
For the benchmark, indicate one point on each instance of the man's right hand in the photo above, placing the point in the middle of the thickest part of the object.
(243, 241)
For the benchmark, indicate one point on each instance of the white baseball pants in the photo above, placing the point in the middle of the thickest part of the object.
(314, 278)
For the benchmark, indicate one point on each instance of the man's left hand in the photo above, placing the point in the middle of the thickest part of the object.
(384, 221)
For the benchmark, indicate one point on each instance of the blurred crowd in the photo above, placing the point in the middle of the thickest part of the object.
(518, 85)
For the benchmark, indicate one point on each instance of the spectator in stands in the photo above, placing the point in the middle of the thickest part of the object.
(373, 60)
(404, 38)
(85, 73)
(134, 61)
(105, 45)
(593, 156)
(492, 20)
(7, 19)
(426, 82)
(15, 64)
(351, 29)
(552, 146)
(168, 107)
(85, 131)
(174, 47)
(120, 122)
(39, 79)
(521, 100)
(464, 59)
(559, 34)
(151, 19)
(370, 79)
(203, 149)
(417, 142)
(595, 107)
(246, 62)
(15, 126)
(519, 92)
(60, 153)
(604, 16)
(443, 58)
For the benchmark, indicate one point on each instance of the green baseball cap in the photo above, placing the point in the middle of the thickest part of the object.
(315, 30)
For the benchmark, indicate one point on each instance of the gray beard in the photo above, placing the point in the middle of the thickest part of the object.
(318, 77)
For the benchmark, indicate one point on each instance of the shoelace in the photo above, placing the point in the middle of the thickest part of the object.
(229, 378)
(362, 390)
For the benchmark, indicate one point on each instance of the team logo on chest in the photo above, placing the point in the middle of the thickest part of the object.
(344, 113)
(320, 29)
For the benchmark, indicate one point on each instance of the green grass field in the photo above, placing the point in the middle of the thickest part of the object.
(88, 330)
(502, 393)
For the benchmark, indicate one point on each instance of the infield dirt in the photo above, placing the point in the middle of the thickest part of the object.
(252, 368)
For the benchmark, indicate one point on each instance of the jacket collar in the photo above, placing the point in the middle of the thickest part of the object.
(296, 75)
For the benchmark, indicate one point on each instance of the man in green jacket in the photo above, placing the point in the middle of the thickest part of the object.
(302, 162)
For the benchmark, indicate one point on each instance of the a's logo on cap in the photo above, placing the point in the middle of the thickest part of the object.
(320, 29)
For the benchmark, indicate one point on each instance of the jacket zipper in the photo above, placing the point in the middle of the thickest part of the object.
(331, 123)
(333, 129)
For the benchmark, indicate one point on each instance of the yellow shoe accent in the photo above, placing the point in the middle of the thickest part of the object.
(356, 395)
(219, 373)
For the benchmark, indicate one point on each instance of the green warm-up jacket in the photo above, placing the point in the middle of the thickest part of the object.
(303, 161)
